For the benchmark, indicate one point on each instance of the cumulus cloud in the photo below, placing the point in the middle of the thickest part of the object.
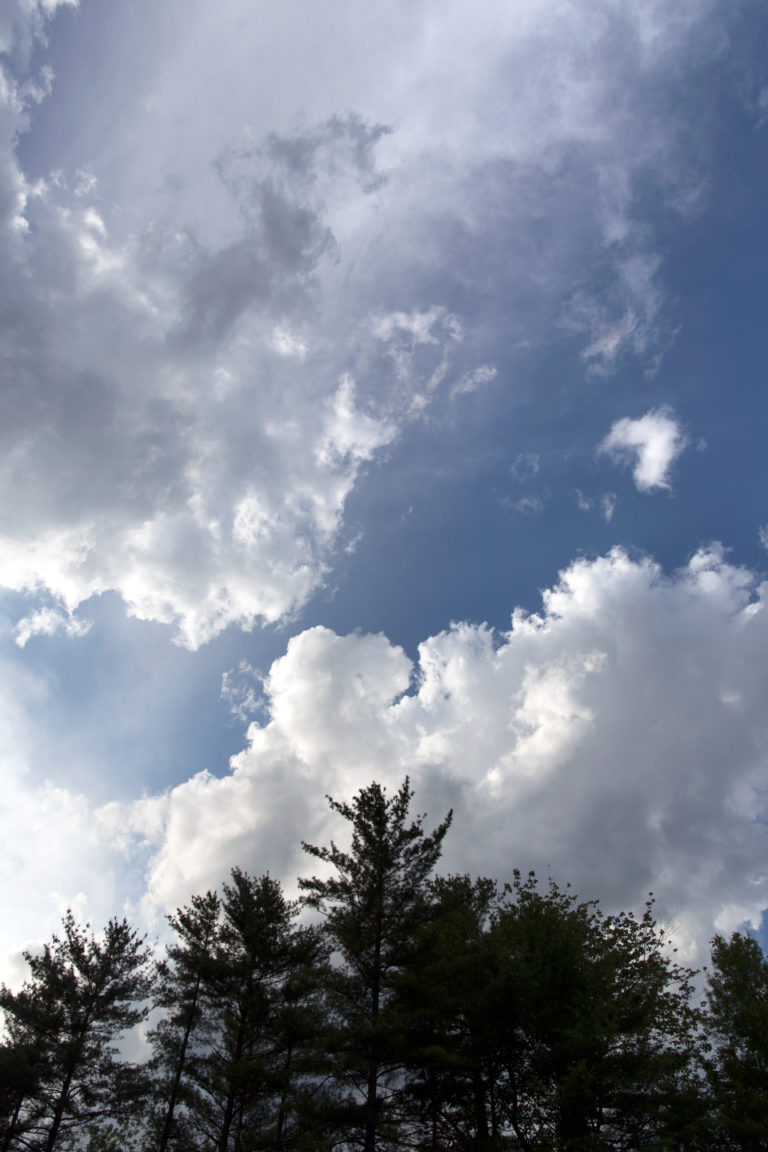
(617, 739)
(652, 443)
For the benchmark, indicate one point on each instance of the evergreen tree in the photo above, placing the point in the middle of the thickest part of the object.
(373, 906)
(83, 993)
(244, 1074)
(183, 982)
(738, 1019)
(20, 1074)
(451, 1034)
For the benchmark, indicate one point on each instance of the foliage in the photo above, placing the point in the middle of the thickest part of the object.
(738, 1018)
(233, 1049)
(373, 905)
(541, 1022)
(420, 1012)
(599, 1033)
(83, 993)
(182, 980)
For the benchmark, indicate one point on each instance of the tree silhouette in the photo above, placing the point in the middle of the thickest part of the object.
(373, 906)
(83, 993)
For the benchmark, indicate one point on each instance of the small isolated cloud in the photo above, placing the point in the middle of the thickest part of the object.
(471, 381)
(762, 535)
(608, 505)
(529, 505)
(526, 464)
(652, 443)
(287, 343)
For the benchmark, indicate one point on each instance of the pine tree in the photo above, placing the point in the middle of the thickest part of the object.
(246, 1071)
(83, 993)
(738, 1020)
(451, 1033)
(20, 1075)
(373, 906)
(183, 982)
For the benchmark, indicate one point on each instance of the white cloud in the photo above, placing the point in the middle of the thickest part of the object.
(617, 740)
(653, 442)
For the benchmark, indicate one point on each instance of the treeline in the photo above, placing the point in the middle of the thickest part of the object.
(404, 1011)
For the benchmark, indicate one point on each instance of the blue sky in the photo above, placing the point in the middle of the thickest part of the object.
(383, 393)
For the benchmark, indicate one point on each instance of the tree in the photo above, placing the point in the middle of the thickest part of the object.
(538, 1023)
(83, 993)
(19, 1079)
(738, 1020)
(183, 980)
(373, 906)
(451, 1034)
(244, 1061)
(597, 1030)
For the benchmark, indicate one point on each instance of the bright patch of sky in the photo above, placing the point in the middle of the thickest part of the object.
(382, 392)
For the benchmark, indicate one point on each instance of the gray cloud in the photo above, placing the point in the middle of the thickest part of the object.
(212, 328)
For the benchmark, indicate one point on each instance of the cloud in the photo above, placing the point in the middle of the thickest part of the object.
(529, 505)
(180, 329)
(174, 429)
(471, 381)
(526, 465)
(54, 854)
(617, 740)
(216, 328)
(241, 689)
(608, 505)
(654, 442)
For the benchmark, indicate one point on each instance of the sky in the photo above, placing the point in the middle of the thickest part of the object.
(383, 394)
